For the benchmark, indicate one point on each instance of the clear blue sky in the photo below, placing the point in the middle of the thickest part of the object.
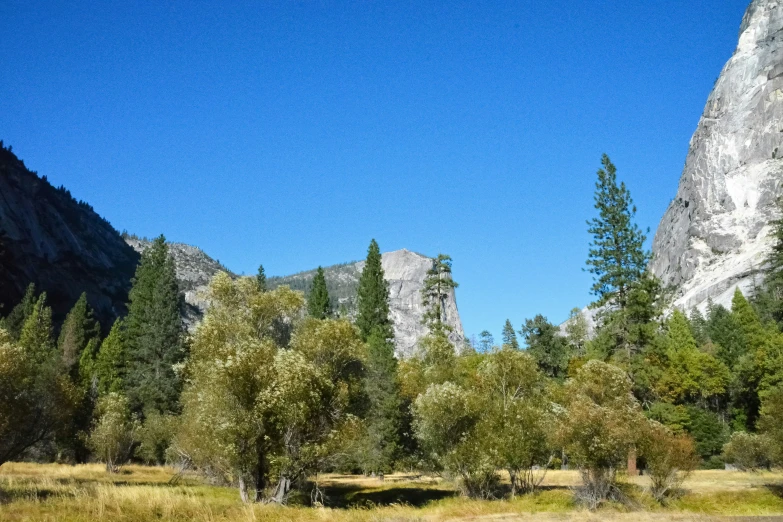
(290, 133)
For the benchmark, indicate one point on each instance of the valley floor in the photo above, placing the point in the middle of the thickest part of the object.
(55, 492)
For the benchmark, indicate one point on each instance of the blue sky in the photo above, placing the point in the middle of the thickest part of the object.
(290, 133)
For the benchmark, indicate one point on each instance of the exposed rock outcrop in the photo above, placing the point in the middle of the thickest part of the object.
(715, 234)
(59, 244)
(405, 271)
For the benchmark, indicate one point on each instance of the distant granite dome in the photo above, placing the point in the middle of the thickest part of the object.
(59, 244)
(405, 271)
(715, 234)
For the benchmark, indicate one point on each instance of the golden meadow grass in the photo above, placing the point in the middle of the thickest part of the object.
(54, 492)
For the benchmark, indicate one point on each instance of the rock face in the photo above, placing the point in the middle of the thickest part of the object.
(59, 244)
(405, 271)
(715, 234)
(195, 270)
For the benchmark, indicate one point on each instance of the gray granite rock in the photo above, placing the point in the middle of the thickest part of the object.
(714, 236)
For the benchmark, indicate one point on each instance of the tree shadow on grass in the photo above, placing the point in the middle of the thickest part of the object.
(351, 496)
(775, 489)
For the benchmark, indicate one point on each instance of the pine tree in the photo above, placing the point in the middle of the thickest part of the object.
(318, 304)
(261, 278)
(36, 336)
(437, 286)
(551, 350)
(486, 341)
(77, 331)
(510, 336)
(373, 297)
(617, 258)
(15, 320)
(109, 367)
(772, 294)
(153, 333)
(383, 393)
(699, 327)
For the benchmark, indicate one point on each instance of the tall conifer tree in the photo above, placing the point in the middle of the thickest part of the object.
(437, 286)
(373, 297)
(318, 304)
(510, 336)
(36, 336)
(15, 320)
(261, 278)
(153, 333)
(381, 381)
(617, 258)
(77, 331)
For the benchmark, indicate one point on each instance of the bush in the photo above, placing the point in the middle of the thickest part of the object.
(114, 432)
(748, 451)
(670, 459)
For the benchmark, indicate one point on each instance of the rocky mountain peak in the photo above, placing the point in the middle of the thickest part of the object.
(715, 233)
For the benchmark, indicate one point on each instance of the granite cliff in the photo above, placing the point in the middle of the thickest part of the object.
(405, 272)
(60, 244)
(715, 233)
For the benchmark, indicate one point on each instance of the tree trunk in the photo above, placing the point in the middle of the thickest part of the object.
(243, 489)
(259, 478)
(513, 477)
(283, 487)
(632, 471)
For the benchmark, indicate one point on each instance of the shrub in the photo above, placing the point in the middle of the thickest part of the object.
(670, 459)
(114, 432)
(748, 451)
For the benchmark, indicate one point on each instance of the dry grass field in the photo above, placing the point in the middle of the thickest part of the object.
(86, 493)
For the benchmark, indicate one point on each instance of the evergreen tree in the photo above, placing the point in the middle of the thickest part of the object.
(699, 327)
(109, 366)
(373, 297)
(771, 296)
(544, 342)
(36, 336)
(486, 341)
(318, 304)
(617, 258)
(437, 286)
(153, 333)
(261, 278)
(15, 320)
(510, 336)
(77, 331)
(385, 411)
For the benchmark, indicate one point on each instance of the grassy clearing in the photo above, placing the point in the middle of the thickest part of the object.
(86, 493)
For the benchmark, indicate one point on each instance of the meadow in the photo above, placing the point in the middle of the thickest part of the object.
(54, 492)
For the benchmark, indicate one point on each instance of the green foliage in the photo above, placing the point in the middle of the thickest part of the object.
(486, 341)
(111, 362)
(261, 278)
(36, 336)
(153, 333)
(154, 437)
(551, 350)
(77, 331)
(670, 458)
(114, 431)
(255, 410)
(771, 421)
(318, 305)
(383, 419)
(15, 320)
(617, 258)
(708, 430)
(510, 336)
(748, 451)
(438, 285)
(577, 331)
(599, 427)
(373, 297)
(36, 399)
(689, 373)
